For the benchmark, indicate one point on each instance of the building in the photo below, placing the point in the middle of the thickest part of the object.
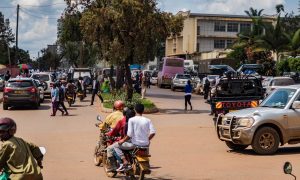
(208, 36)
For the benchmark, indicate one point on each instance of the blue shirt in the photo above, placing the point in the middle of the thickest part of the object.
(55, 94)
(188, 89)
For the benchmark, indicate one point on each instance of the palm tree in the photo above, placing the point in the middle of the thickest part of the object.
(274, 38)
(294, 43)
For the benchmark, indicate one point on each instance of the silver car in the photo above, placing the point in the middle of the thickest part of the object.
(179, 81)
(275, 122)
(2, 83)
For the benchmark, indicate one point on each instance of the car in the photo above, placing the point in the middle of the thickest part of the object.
(212, 79)
(21, 91)
(179, 81)
(277, 82)
(85, 73)
(274, 122)
(2, 83)
(153, 78)
(41, 89)
(47, 79)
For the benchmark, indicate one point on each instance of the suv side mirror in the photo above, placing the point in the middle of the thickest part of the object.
(296, 105)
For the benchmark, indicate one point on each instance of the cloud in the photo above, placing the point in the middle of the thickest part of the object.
(238, 6)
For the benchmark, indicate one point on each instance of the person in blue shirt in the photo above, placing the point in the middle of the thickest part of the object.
(188, 94)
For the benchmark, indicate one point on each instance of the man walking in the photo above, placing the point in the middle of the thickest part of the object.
(96, 90)
(62, 92)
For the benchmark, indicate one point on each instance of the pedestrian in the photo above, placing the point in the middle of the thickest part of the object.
(148, 77)
(96, 90)
(55, 100)
(144, 87)
(18, 158)
(7, 76)
(188, 95)
(206, 87)
(62, 92)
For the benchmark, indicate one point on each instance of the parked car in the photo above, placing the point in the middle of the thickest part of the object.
(21, 91)
(277, 82)
(47, 79)
(2, 83)
(41, 89)
(153, 78)
(273, 123)
(179, 81)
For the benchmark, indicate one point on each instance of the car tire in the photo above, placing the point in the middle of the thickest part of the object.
(172, 88)
(235, 147)
(5, 106)
(266, 141)
(36, 106)
(42, 100)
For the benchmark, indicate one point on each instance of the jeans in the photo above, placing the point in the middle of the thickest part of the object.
(125, 146)
(187, 100)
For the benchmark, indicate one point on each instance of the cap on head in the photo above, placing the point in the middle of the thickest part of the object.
(7, 124)
(119, 105)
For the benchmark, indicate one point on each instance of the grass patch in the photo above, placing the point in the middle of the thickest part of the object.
(109, 100)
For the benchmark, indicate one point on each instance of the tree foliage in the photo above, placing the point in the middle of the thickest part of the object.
(6, 38)
(126, 31)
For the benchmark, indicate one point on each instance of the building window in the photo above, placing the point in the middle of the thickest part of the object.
(220, 26)
(245, 27)
(232, 27)
(198, 47)
(198, 30)
(229, 43)
(219, 44)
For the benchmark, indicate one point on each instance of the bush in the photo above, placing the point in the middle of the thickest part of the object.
(109, 100)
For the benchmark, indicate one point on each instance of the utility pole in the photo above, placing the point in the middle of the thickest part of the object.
(17, 29)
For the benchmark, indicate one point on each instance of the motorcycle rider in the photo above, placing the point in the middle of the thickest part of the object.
(139, 133)
(120, 132)
(70, 90)
(112, 119)
(18, 158)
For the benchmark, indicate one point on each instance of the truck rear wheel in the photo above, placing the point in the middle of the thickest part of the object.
(266, 141)
(235, 147)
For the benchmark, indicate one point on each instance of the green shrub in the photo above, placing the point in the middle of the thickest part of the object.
(109, 100)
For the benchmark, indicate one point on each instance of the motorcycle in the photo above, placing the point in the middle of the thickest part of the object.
(138, 158)
(80, 95)
(70, 99)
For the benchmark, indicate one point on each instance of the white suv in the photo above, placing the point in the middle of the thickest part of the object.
(47, 78)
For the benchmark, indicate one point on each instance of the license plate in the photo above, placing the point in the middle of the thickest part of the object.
(19, 92)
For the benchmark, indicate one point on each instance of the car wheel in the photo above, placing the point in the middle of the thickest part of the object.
(5, 106)
(172, 88)
(36, 106)
(235, 147)
(42, 100)
(266, 141)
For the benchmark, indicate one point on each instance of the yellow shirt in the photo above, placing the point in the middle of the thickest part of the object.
(20, 159)
(111, 120)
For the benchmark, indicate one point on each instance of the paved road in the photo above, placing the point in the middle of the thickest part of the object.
(186, 146)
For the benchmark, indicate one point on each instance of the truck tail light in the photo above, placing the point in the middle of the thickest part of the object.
(7, 90)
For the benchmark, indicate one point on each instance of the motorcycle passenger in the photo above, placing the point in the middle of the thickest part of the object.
(112, 119)
(139, 133)
(70, 90)
(18, 158)
(119, 131)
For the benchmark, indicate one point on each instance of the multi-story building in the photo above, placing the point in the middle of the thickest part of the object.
(208, 36)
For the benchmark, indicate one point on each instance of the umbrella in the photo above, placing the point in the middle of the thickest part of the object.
(2, 66)
(24, 66)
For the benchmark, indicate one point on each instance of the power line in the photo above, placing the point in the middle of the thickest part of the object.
(33, 15)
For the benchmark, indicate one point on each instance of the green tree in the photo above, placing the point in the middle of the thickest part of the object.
(294, 43)
(283, 66)
(126, 31)
(6, 38)
(294, 64)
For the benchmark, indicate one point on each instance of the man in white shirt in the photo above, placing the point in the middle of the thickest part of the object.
(139, 133)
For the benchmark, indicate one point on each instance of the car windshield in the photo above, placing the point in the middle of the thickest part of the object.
(41, 77)
(183, 76)
(19, 84)
(279, 98)
(77, 74)
(283, 82)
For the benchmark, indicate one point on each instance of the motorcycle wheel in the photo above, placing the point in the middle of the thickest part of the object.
(104, 161)
(97, 156)
(142, 175)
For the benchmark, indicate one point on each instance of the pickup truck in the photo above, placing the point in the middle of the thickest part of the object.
(276, 121)
(231, 94)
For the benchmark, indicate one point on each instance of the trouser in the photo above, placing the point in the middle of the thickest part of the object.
(125, 146)
(143, 92)
(62, 104)
(55, 107)
(187, 100)
(206, 90)
(94, 92)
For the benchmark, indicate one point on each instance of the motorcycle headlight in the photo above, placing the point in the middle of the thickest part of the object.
(245, 122)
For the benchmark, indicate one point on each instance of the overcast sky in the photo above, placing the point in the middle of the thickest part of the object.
(38, 18)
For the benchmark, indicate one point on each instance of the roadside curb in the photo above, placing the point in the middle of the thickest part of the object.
(107, 110)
